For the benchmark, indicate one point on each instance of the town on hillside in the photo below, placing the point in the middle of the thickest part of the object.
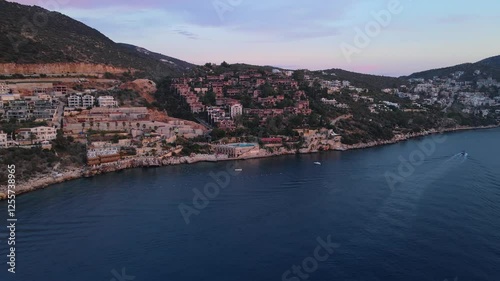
(228, 112)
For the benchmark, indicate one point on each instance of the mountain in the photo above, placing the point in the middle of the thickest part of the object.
(146, 54)
(33, 35)
(486, 68)
(493, 61)
(362, 80)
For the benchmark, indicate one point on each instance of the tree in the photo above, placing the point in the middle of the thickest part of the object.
(209, 98)
(225, 64)
(32, 137)
(298, 75)
(246, 101)
(238, 120)
(218, 134)
(296, 121)
(267, 90)
(109, 75)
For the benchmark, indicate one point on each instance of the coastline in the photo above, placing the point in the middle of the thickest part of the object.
(145, 162)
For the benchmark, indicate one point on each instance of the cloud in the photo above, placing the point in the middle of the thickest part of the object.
(186, 33)
(275, 20)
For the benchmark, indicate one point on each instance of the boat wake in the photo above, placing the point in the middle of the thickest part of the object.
(460, 157)
(404, 201)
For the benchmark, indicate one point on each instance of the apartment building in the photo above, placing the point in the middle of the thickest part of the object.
(4, 89)
(17, 109)
(3, 139)
(236, 110)
(107, 101)
(81, 101)
(37, 134)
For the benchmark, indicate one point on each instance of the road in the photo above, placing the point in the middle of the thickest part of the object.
(58, 116)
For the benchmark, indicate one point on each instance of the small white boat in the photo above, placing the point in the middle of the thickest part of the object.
(317, 163)
(238, 170)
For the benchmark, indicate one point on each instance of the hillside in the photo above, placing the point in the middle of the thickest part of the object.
(61, 39)
(146, 54)
(363, 80)
(493, 61)
(489, 67)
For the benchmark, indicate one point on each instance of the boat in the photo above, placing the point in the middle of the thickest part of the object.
(238, 170)
(317, 163)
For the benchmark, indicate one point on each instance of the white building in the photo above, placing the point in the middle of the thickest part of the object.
(4, 89)
(388, 103)
(9, 97)
(216, 114)
(236, 110)
(3, 139)
(75, 100)
(88, 101)
(80, 101)
(39, 134)
(236, 150)
(329, 102)
(95, 152)
(107, 101)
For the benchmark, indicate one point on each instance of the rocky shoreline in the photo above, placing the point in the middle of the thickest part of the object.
(142, 162)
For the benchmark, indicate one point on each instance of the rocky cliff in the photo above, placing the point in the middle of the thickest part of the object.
(46, 180)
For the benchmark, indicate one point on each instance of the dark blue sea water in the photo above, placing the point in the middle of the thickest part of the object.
(273, 221)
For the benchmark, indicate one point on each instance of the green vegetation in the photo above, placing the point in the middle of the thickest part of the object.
(11, 126)
(61, 39)
(489, 67)
(34, 161)
(189, 147)
(167, 99)
(372, 82)
(29, 162)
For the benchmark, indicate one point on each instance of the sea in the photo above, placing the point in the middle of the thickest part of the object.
(427, 209)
